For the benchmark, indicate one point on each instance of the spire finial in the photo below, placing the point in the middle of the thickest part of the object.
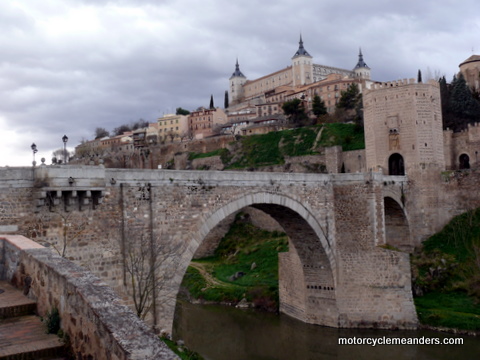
(361, 63)
(237, 71)
(301, 50)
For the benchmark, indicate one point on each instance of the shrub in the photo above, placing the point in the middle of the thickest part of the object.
(52, 321)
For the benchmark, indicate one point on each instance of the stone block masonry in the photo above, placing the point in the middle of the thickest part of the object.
(332, 274)
(99, 326)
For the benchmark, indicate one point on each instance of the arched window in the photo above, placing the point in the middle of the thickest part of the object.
(464, 162)
(396, 165)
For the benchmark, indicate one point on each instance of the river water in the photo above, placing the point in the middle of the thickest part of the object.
(225, 333)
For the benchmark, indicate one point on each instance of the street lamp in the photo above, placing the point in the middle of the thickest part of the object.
(34, 150)
(65, 139)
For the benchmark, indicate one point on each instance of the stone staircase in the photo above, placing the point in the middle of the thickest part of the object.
(22, 334)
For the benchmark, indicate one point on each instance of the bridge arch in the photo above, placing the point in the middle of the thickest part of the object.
(397, 230)
(272, 204)
(307, 282)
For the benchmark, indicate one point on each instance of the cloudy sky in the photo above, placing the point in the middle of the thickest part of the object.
(69, 66)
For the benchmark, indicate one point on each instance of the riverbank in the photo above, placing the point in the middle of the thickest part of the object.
(446, 276)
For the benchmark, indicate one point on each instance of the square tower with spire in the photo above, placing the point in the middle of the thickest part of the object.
(302, 66)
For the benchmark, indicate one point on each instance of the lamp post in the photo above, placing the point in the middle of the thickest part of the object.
(65, 139)
(34, 151)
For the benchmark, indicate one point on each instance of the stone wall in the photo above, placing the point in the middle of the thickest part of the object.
(334, 221)
(291, 284)
(465, 142)
(361, 293)
(209, 163)
(166, 153)
(98, 325)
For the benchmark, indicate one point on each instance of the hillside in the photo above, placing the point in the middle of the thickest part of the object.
(245, 265)
(258, 151)
(446, 275)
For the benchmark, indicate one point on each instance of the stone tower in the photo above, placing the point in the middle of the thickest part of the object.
(403, 127)
(470, 69)
(302, 66)
(362, 71)
(404, 136)
(235, 89)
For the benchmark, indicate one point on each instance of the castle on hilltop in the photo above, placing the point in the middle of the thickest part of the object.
(403, 121)
(303, 79)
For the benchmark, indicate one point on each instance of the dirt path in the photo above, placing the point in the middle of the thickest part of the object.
(211, 281)
(317, 139)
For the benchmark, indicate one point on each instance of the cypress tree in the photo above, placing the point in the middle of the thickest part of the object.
(419, 76)
(318, 106)
(226, 100)
(211, 102)
(349, 98)
(462, 102)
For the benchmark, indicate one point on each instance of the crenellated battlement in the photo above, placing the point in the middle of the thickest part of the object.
(399, 83)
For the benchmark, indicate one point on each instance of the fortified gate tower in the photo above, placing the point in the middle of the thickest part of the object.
(403, 127)
(404, 136)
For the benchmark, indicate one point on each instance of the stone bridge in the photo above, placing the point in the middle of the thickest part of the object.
(336, 272)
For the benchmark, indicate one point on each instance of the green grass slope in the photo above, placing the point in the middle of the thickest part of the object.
(241, 247)
(271, 149)
(446, 275)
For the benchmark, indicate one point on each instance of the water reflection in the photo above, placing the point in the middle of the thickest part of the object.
(220, 333)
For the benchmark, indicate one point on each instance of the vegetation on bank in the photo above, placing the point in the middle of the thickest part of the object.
(182, 352)
(445, 272)
(272, 148)
(245, 266)
(446, 275)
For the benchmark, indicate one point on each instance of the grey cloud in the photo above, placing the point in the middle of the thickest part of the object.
(140, 59)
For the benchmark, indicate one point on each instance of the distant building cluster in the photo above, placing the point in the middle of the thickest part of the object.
(255, 107)
(302, 80)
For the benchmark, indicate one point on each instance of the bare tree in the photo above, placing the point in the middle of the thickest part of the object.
(172, 135)
(62, 155)
(146, 256)
(142, 260)
(72, 225)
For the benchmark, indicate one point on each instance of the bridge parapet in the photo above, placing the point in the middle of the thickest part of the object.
(98, 324)
(236, 178)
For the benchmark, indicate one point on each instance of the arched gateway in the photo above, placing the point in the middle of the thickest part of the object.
(306, 280)
(396, 165)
